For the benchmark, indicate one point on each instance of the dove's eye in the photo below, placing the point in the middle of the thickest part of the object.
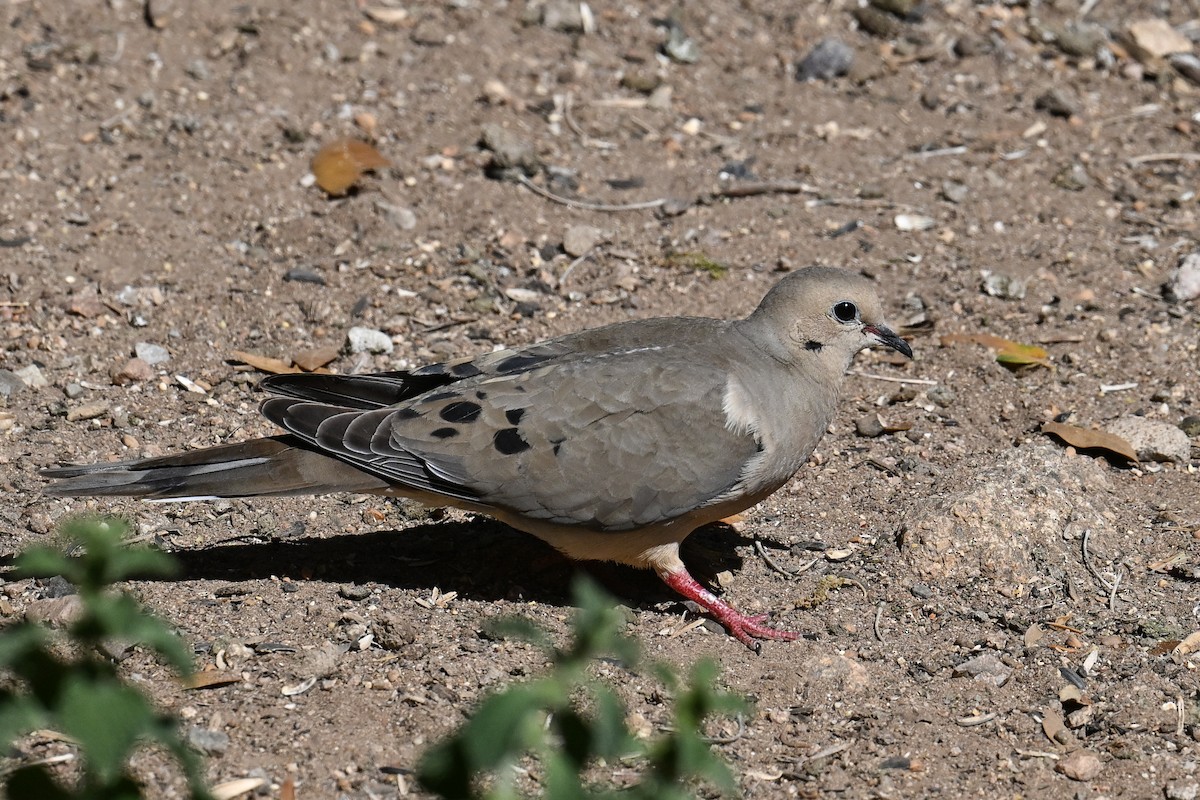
(845, 311)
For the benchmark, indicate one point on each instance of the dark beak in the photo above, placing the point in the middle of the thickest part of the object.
(886, 336)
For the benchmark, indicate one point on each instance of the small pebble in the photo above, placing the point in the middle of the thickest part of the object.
(32, 377)
(73, 390)
(354, 591)
(914, 222)
(87, 411)
(1058, 102)
(135, 370)
(368, 340)
(1190, 426)
(985, 667)
(510, 153)
(829, 59)
(1082, 765)
(869, 426)
(1006, 287)
(151, 353)
(681, 47)
(579, 239)
(1184, 282)
(304, 275)
(10, 383)
(954, 191)
(921, 590)
(214, 743)
(1153, 439)
(942, 396)
(1182, 790)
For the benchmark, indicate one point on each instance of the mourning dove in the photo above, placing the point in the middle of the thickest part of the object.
(610, 444)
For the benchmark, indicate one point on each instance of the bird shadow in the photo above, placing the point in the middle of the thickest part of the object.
(479, 559)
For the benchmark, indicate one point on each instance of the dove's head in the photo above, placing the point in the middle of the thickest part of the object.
(822, 314)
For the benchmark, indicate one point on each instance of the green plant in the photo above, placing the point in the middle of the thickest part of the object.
(543, 718)
(67, 686)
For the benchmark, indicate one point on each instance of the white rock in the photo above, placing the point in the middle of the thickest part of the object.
(32, 377)
(914, 222)
(368, 340)
(151, 353)
(579, 239)
(1153, 439)
(1184, 283)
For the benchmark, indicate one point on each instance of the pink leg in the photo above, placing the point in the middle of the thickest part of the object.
(744, 629)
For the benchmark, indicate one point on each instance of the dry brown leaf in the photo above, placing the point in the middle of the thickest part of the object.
(288, 790)
(274, 366)
(1088, 439)
(211, 679)
(313, 360)
(1008, 352)
(338, 165)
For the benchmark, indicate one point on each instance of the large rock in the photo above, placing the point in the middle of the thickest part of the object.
(1016, 519)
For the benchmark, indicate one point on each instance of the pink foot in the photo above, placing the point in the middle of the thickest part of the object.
(744, 629)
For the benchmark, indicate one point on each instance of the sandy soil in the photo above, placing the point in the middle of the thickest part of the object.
(155, 193)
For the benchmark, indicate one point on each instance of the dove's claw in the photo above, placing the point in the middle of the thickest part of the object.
(743, 628)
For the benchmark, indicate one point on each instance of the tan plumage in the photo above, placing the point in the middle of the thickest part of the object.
(613, 443)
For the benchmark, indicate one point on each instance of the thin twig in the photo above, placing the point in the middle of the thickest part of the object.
(878, 621)
(765, 187)
(570, 267)
(772, 563)
(889, 379)
(957, 150)
(1154, 157)
(1087, 562)
(739, 733)
(585, 206)
(1112, 596)
(1039, 754)
(588, 141)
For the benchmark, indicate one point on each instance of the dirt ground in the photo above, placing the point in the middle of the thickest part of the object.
(154, 163)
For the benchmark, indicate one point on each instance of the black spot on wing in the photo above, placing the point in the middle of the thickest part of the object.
(513, 415)
(444, 433)
(462, 411)
(814, 345)
(407, 413)
(466, 369)
(509, 441)
(519, 363)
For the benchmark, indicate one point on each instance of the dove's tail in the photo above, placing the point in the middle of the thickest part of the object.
(277, 465)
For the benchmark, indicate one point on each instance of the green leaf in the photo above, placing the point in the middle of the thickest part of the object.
(107, 718)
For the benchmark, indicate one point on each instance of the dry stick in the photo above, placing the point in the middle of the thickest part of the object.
(588, 141)
(563, 278)
(772, 563)
(584, 206)
(878, 620)
(1154, 157)
(1112, 596)
(1087, 562)
(739, 733)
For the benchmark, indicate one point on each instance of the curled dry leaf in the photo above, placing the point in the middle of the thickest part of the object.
(1088, 439)
(1009, 353)
(339, 164)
